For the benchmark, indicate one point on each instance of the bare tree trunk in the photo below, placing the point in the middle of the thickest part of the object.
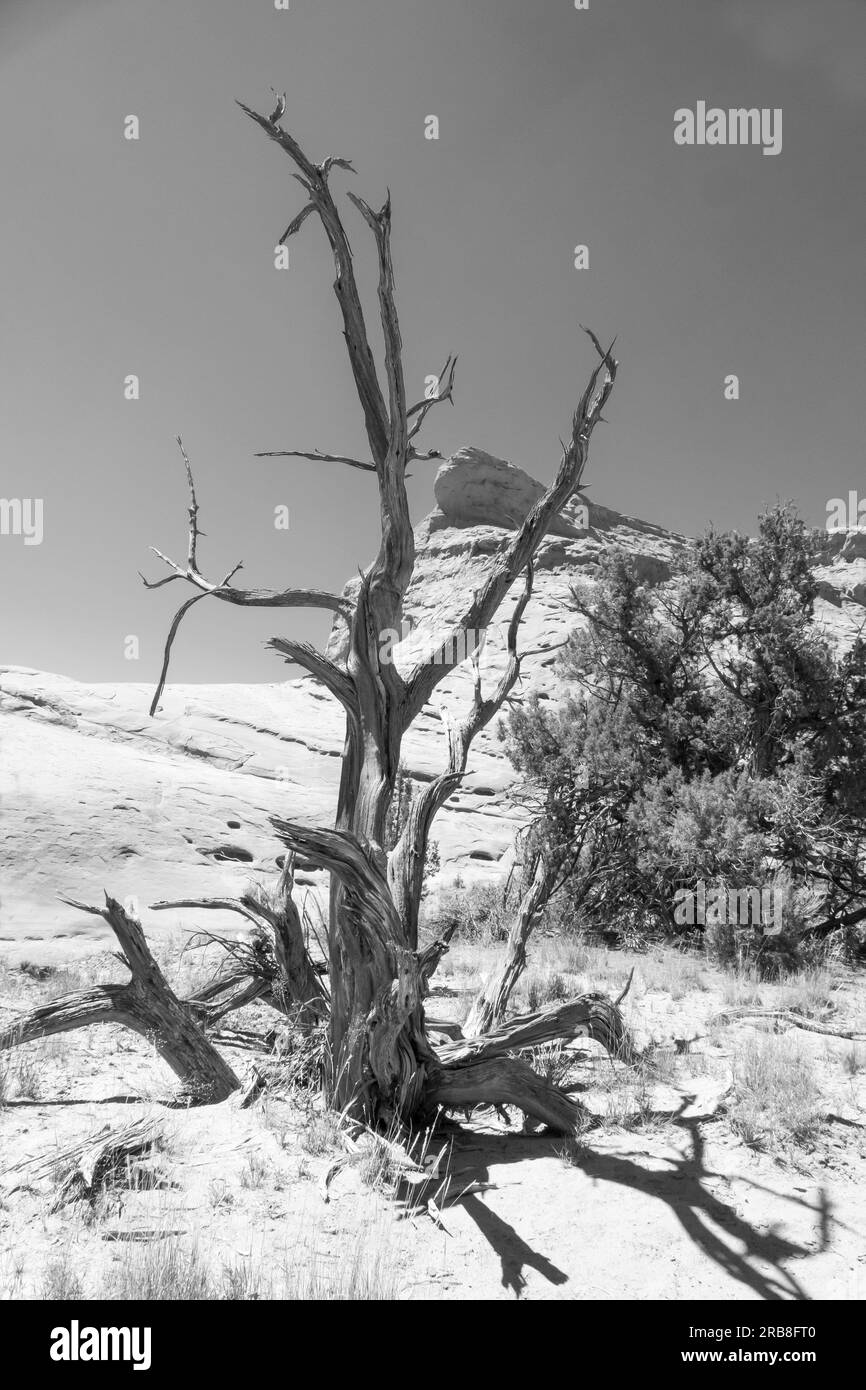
(383, 1063)
(491, 1001)
(147, 1005)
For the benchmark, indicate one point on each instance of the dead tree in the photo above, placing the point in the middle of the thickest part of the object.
(147, 1005)
(384, 1065)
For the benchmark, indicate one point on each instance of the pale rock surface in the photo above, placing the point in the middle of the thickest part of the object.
(95, 794)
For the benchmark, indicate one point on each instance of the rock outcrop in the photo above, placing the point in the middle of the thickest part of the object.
(96, 794)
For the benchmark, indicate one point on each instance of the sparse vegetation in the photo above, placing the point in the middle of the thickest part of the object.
(62, 1280)
(321, 1133)
(704, 773)
(777, 1100)
(255, 1172)
(22, 1073)
(192, 1230)
(166, 1269)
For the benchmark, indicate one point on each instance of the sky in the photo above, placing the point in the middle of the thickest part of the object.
(155, 257)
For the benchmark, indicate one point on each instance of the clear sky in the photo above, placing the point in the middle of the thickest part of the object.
(155, 257)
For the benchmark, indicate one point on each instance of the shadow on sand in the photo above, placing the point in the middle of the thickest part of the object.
(754, 1258)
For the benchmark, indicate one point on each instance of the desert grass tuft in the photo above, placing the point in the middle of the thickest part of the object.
(777, 1100)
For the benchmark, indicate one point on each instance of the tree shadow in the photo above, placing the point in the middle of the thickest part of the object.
(514, 1253)
(743, 1252)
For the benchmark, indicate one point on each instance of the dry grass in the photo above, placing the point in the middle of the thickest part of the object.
(743, 989)
(366, 1273)
(22, 1073)
(809, 993)
(61, 1280)
(182, 1269)
(321, 1134)
(777, 1099)
(166, 1270)
(627, 1097)
(255, 1172)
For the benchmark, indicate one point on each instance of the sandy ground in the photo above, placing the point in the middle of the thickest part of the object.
(662, 1200)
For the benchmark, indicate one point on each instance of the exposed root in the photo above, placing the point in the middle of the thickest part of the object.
(589, 1016)
(484, 1071)
(497, 1081)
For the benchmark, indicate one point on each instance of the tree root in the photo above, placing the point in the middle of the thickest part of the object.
(498, 1081)
(589, 1016)
(483, 1071)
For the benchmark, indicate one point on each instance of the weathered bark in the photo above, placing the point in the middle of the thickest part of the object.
(483, 1070)
(226, 995)
(383, 1062)
(147, 1005)
(791, 1020)
(294, 985)
(381, 1051)
(491, 1001)
(591, 1015)
(495, 1081)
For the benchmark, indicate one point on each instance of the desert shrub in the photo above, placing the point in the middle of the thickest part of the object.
(709, 735)
(480, 914)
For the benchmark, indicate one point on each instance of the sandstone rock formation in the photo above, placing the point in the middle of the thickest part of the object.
(96, 794)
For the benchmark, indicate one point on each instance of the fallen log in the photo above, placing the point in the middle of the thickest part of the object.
(146, 1004)
(794, 1020)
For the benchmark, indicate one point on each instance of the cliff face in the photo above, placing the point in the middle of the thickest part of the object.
(95, 794)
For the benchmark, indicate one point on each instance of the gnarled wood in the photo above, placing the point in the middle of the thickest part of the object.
(787, 1016)
(289, 981)
(497, 1081)
(383, 1062)
(473, 1071)
(491, 1001)
(147, 1005)
(591, 1015)
(379, 1065)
